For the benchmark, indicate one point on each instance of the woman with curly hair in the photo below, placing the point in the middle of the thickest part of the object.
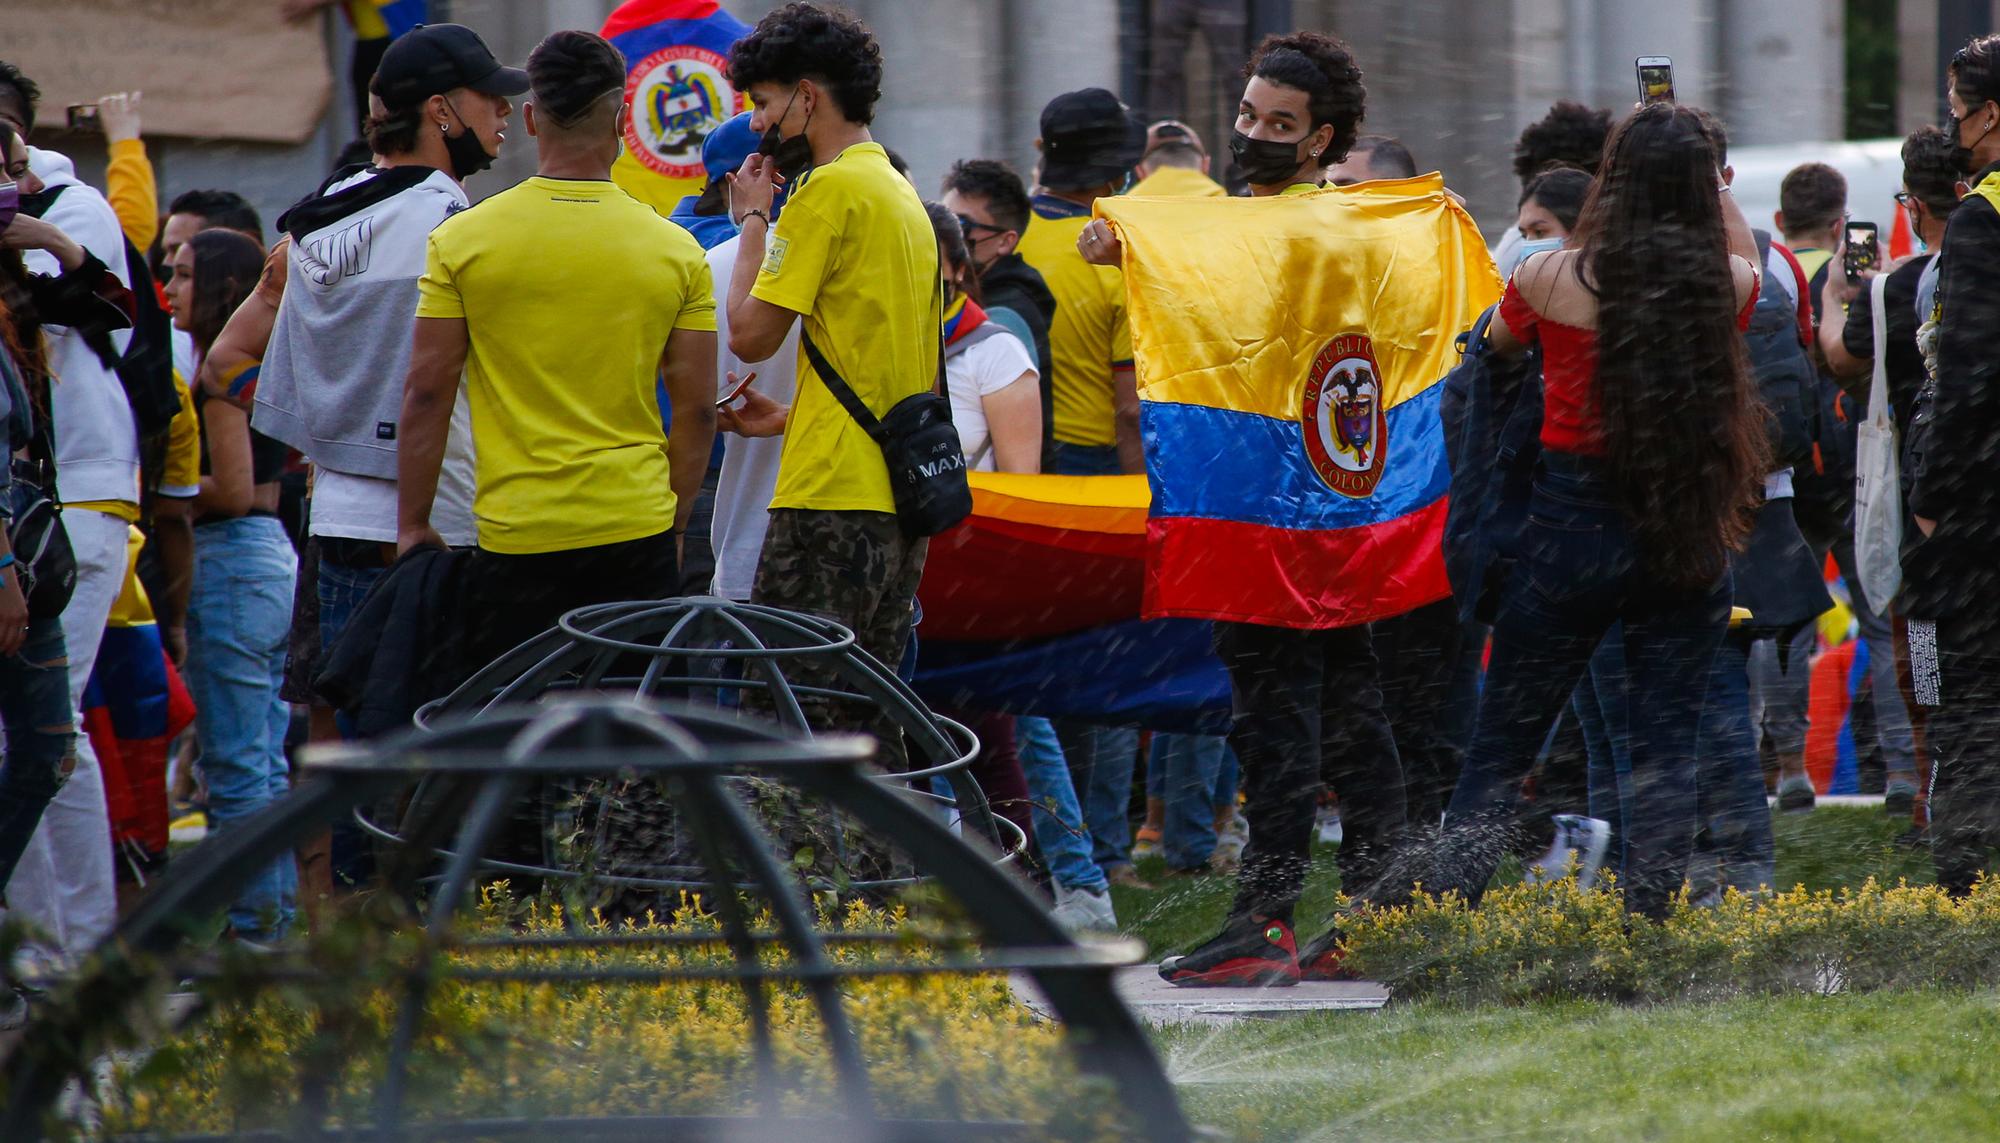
(1307, 703)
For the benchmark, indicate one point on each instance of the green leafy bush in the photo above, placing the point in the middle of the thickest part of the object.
(1528, 942)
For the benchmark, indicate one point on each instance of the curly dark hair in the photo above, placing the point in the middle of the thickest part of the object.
(1005, 194)
(1931, 169)
(1570, 135)
(1668, 344)
(804, 41)
(1323, 68)
(26, 90)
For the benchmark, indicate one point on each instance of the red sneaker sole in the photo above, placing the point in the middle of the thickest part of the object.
(1243, 972)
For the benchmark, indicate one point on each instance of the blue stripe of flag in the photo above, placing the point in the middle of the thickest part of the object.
(1221, 464)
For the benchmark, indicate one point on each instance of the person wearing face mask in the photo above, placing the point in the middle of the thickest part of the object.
(854, 264)
(992, 206)
(1307, 701)
(1950, 577)
(1550, 204)
(331, 380)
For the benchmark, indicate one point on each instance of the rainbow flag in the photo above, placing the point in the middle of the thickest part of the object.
(677, 53)
(1290, 360)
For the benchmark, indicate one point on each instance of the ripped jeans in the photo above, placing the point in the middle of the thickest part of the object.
(40, 729)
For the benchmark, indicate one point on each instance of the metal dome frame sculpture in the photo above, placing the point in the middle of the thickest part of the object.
(657, 644)
(691, 752)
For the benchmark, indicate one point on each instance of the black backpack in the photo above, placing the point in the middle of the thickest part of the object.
(1786, 379)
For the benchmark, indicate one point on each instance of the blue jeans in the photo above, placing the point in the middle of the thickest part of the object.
(1101, 761)
(341, 590)
(1729, 780)
(1186, 772)
(238, 616)
(1085, 460)
(1600, 703)
(1576, 574)
(1058, 820)
(40, 728)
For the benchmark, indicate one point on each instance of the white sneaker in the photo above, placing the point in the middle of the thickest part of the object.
(1084, 910)
(1579, 839)
(1329, 825)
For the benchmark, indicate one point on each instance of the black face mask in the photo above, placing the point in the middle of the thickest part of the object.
(1264, 162)
(794, 155)
(466, 153)
(1961, 153)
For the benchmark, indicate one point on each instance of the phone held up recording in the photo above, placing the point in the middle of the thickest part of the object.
(1862, 252)
(1656, 79)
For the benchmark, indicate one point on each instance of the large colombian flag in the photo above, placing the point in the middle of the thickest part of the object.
(677, 56)
(1290, 352)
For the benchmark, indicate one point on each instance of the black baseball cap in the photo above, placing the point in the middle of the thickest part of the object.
(431, 59)
(1089, 138)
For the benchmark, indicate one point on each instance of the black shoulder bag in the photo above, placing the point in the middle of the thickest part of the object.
(919, 444)
(43, 557)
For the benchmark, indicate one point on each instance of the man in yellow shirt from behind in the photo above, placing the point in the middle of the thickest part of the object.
(560, 299)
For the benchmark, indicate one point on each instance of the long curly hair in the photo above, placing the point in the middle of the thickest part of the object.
(1683, 428)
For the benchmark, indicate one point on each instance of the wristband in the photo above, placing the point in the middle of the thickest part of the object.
(753, 213)
(6, 561)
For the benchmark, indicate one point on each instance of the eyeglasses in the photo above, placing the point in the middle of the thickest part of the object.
(968, 225)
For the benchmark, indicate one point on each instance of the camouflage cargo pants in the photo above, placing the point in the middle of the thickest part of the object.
(859, 570)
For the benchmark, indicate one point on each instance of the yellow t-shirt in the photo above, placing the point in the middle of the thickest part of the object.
(569, 291)
(854, 253)
(180, 476)
(1177, 182)
(1088, 337)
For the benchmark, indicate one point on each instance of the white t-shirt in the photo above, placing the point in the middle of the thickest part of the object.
(364, 508)
(749, 464)
(987, 367)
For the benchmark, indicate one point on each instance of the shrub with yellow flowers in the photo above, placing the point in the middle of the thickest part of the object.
(274, 1052)
(1536, 941)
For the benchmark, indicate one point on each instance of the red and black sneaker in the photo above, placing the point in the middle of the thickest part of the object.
(1325, 958)
(1260, 954)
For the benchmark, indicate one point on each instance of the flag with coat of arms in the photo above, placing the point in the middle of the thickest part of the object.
(677, 82)
(1290, 352)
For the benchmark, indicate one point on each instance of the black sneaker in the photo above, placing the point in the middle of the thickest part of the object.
(1900, 801)
(1261, 954)
(1795, 795)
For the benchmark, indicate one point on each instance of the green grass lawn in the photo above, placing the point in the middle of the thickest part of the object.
(1891, 1065)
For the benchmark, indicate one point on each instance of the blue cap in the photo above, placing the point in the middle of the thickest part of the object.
(727, 146)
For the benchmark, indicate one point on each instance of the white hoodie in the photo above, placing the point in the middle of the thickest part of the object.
(97, 441)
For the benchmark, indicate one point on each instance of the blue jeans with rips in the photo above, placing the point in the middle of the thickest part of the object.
(238, 616)
(1058, 819)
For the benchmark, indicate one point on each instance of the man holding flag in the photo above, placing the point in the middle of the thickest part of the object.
(677, 53)
(1297, 464)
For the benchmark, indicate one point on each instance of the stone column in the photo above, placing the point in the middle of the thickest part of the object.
(1786, 70)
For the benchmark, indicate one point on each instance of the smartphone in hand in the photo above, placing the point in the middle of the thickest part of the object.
(83, 117)
(1656, 79)
(1862, 252)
